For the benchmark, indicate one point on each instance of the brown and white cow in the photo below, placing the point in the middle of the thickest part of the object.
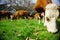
(40, 5)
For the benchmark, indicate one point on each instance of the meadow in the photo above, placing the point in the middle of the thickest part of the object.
(23, 28)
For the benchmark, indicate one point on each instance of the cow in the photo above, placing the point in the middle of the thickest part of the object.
(20, 13)
(4, 14)
(40, 5)
(51, 15)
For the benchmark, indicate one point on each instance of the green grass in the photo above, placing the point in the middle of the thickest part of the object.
(23, 28)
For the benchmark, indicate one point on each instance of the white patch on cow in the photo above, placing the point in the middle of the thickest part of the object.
(52, 13)
(51, 26)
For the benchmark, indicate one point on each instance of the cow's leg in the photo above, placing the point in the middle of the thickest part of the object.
(39, 20)
(45, 22)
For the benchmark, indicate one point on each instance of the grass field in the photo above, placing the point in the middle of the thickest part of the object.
(23, 28)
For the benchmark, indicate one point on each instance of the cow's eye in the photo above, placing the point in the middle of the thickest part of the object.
(47, 19)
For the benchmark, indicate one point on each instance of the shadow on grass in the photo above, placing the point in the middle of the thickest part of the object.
(1, 36)
(58, 25)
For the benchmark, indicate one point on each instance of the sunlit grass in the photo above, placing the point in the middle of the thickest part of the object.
(23, 28)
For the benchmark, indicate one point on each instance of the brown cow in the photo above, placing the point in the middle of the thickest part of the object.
(4, 14)
(41, 4)
(19, 13)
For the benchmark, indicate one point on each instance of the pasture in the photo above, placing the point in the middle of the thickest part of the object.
(23, 28)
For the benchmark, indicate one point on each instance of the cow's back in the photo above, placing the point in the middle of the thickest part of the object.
(41, 3)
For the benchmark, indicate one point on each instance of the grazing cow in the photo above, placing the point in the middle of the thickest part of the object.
(4, 14)
(40, 5)
(51, 15)
(19, 13)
